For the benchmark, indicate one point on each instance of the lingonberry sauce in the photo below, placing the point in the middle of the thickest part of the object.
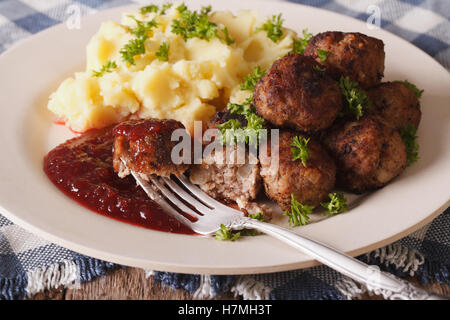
(82, 169)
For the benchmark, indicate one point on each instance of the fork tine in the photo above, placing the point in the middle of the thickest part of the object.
(155, 196)
(173, 198)
(200, 194)
(186, 196)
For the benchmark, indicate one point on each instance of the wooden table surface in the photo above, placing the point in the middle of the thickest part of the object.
(132, 284)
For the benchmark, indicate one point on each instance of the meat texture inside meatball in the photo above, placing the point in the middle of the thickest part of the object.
(146, 147)
(397, 104)
(283, 176)
(223, 176)
(368, 153)
(294, 93)
(355, 55)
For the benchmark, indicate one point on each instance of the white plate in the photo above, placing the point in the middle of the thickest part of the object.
(35, 67)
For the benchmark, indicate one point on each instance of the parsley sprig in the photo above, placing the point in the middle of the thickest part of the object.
(418, 92)
(322, 54)
(409, 138)
(252, 79)
(336, 205)
(300, 149)
(163, 52)
(258, 216)
(137, 46)
(273, 27)
(194, 24)
(356, 100)
(233, 131)
(156, 9)
(298, 215)
(107, 67)
(300, 44)
(224, 234)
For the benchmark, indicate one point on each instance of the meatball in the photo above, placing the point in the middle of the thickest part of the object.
(294, 93)
(396, 103)
(368, 153)
(355, 55)
(223, 176)
(310, 184)
(146, 147)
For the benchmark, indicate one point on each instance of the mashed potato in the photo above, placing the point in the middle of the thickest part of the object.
(199, 77)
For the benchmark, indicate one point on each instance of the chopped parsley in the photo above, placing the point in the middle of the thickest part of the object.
(143, 28)
(319, 68)
(300, 149)
(252, 79)
(322, 54)
(356, 100)
(226, 36)
(137, 46)
(232, 130)
(107, 67)
(409, 138)
(258, 216)
(336, 205)
(298, 215)
(273, 27)
(133, 48)
(224, 234)
(163, 52)
(300, 44)
(418, 92)
(156, 9)
(193, 24)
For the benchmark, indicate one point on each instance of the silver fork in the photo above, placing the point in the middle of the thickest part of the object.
(210, 214)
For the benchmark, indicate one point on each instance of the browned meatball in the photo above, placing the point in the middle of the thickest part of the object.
(146, 146)
(310, 184)
(296, 94)
(355, 55)
(397, 104)
(368, 153)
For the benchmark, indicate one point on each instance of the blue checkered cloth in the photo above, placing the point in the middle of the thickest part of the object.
(29, 264)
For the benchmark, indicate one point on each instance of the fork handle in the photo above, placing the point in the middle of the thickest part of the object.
(380, 282)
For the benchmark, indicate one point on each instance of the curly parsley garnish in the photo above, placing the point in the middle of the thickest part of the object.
(232, 130)
(409, 138)
(156, 9)
(224, 234)
(300, 149)
(226, 36)
(300, 44)
(163, 52)
(273, 27)
(418, 92)
(143, 28)
(257, 216)
(356, 100)
(336, 205)
(252, 79)
(298, 215)
(137, 46)
(107, 67)
(322, 54)
(193, 24)
(133, 48)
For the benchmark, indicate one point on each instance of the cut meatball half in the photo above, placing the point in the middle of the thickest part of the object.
(368, 153)
(284, 176)
(226, 175)
(146, 147)
(397, 104)
(355, 55)
(296, 94)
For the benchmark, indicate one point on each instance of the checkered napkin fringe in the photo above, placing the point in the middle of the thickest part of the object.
(29, 264)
